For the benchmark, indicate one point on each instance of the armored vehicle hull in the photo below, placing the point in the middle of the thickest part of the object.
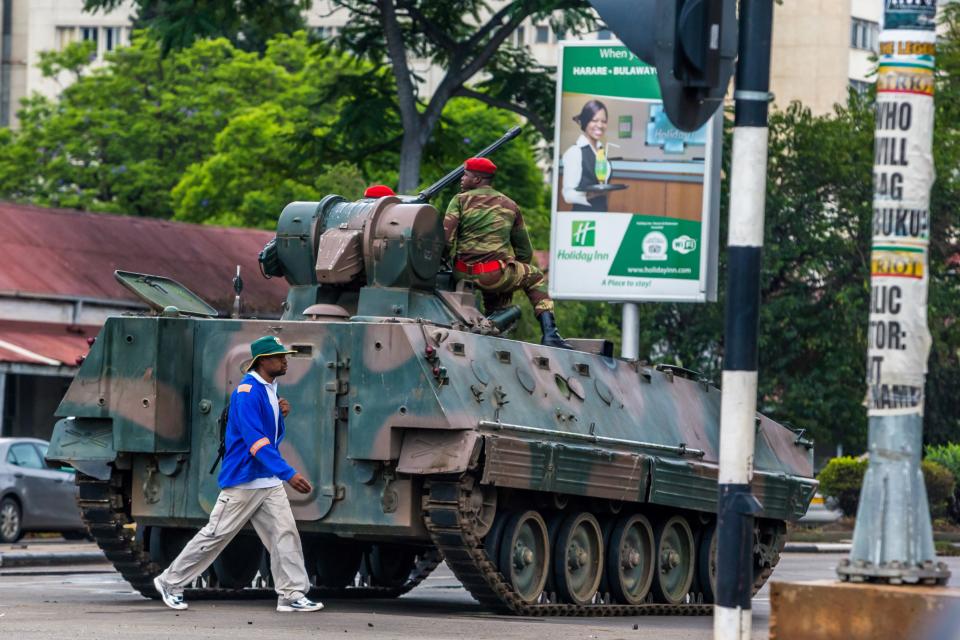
(551, 481)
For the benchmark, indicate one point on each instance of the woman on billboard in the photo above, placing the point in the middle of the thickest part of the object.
(585, 164)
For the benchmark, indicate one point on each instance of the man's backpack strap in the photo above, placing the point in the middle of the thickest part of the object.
(222, 423)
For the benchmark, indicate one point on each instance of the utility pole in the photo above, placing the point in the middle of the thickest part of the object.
(738, 405)
(893, 540)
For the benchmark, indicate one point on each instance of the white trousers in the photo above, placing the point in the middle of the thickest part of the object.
(269, 512)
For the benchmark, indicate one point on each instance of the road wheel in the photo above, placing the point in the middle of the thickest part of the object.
(554, 522)
(390, 565)
(707, 563)
(165, 543)
(630, 559)
(525, 555)
(238, 563)
(578, 558)
(676, 560)
(491, 542)
(11, 522)
(337, 563)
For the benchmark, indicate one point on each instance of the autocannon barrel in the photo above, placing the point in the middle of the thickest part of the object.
(454, 175)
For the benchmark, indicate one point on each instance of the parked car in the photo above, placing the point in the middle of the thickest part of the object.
(34, 496)
(821, 511)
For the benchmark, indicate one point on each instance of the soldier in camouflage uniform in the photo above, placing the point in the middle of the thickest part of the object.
(489, 245)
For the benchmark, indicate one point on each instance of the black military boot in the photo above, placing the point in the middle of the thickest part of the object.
(551, 337)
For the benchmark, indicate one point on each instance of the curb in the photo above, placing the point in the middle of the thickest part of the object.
(49, 559)
(817, 547)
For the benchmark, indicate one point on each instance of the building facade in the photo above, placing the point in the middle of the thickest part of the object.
(28, 27)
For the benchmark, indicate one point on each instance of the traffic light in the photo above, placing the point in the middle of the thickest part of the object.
(692, 43)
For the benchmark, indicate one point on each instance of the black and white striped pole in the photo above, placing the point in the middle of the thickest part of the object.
(736, 505)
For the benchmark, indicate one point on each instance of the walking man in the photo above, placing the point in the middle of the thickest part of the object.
(251, 489)
(488, 242)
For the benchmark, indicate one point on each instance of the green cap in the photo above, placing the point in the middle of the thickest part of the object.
(265, 346)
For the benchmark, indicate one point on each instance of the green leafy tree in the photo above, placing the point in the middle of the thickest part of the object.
(258, 166)
(123, 136)
(214, 134)
(468, 126)
(73, 59)
(940, 484)
(252, 175)
(464, 38)
(941, 418)
(842, 479)
(248, 24)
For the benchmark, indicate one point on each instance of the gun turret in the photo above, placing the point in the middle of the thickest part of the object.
(454, 175)
(392, 242)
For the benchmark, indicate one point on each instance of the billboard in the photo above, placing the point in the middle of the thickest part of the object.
(635, 200)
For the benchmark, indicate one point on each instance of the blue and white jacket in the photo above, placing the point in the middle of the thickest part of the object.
(251, 451)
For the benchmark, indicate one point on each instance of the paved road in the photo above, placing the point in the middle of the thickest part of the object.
(93, 602)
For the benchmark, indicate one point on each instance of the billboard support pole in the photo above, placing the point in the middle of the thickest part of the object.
(630, 331)
(736, 505)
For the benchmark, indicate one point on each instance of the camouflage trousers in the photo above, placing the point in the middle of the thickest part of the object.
(497, 287)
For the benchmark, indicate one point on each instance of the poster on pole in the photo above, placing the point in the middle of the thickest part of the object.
(898, 342)
(635, 208)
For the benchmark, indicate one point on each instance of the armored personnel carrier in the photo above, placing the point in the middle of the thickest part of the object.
(551, 481)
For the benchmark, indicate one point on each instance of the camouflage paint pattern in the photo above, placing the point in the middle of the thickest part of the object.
(411, 384)
(483, 224)
(497, 287)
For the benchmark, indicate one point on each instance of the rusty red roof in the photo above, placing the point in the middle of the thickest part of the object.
(44, 343)
(71, 253)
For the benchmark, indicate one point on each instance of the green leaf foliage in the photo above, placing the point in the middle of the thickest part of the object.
(940, 484)
(468, 126)
(215, 134)
(177, 24)
(841, 479)
(947, 455)
(121, 137)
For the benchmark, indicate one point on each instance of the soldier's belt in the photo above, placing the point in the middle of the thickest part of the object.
(478, 268)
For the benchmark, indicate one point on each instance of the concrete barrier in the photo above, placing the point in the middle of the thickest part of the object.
(833, 610)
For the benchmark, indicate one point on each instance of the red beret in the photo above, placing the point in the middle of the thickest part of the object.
(378, 191)
(480, 165)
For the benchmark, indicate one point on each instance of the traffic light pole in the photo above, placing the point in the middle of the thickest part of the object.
(736, 505)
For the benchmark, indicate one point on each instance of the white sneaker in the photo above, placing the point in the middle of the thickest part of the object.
(303, 604)
(172, 600)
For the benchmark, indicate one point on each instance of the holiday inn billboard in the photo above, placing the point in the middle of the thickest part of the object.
(635, 200)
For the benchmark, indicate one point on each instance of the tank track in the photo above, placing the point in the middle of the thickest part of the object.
(103, 509)
(760, 579)
(446, 515)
